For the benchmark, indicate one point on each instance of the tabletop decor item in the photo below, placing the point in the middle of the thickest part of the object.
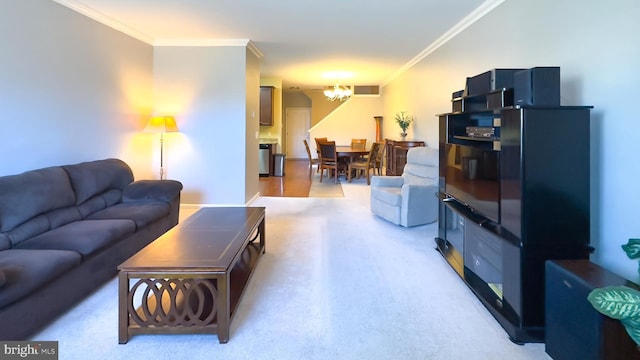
(404, 120)
(621, 302)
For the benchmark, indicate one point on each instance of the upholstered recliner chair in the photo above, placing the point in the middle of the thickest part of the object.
(410, 199)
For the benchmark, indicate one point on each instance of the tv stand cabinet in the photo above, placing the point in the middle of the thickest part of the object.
(544, 207)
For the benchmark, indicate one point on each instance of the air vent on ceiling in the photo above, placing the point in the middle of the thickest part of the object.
(366, 90)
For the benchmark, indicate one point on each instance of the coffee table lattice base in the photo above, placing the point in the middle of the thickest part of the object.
(163, 302)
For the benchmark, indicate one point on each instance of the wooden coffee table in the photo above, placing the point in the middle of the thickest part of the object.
(191, 279)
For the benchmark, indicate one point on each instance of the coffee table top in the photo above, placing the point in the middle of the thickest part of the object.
(207, 241)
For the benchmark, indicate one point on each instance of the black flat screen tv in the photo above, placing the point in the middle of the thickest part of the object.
(472, 178)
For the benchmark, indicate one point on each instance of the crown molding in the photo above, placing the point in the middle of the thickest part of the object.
(119, 26)
(200, 42)
(210, 42)
(467, 21)
(254, 49)
(106, 20)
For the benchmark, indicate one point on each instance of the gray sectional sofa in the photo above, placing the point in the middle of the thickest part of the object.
(65, 229)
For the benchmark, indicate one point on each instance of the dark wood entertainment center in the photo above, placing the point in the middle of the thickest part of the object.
(514, 192)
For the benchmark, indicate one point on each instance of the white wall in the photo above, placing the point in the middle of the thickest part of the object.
(252, 114)
(352, 120)
(206, 88)
(71, 90)
(596, 48)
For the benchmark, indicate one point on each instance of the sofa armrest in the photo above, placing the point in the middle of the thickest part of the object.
(387, 181)
(419, 191)
(151, 190)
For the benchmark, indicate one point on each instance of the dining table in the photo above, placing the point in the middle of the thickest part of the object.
(351, 152)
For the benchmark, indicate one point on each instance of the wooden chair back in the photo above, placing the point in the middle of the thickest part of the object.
(312, 160)
(328, 159)
(328, 151)
(306, 146)
(365, 164)
(318, 141)
(359, 143)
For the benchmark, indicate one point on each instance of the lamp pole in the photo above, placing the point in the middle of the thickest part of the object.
(161, 156)
(161, 124)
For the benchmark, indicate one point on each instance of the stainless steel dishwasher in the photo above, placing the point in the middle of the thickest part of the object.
(264, 157)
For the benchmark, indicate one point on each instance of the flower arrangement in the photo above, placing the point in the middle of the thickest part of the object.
(404, 120)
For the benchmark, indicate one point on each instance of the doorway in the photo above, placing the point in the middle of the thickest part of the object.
(297, 123)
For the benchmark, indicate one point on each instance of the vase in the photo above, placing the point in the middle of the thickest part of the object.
(403, 135)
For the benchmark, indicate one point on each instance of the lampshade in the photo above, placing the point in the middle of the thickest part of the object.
(161, 124)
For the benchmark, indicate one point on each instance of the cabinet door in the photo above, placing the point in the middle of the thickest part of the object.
(390, 160)
(266, 105)
(397, 155)
(573, 328)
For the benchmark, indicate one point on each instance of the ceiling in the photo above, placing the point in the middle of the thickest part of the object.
(308, 44)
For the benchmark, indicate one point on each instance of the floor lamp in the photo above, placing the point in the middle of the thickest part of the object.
(162, 125)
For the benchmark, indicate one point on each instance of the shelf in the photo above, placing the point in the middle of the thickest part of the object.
(490, 102)
(474, 138)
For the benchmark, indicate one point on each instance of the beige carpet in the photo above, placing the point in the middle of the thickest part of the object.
(327, 188)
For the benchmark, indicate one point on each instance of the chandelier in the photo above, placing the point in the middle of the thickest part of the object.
(338, 92)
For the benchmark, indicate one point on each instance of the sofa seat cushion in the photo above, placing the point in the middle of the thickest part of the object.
(389, 195)
(142, 213)
(28, 270)
(85, 236)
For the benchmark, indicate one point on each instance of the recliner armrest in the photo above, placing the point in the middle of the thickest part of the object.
(387, 181)
(419, 204)
(418, 191)
(151, 190)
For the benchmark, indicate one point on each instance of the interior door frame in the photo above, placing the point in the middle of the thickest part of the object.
(288, 140)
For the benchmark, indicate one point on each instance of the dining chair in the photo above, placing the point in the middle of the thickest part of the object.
(364, 164)
(329, 159)
(318, 141)
(312, 160)
(359, 143)
(380, 156)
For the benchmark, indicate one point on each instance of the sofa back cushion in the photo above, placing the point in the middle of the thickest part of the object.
(421, 167)
(31, 193)
(92, 178)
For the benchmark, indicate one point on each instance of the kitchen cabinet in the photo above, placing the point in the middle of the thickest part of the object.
(266, 105)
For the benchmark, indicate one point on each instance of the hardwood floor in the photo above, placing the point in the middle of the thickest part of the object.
(294, 183)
